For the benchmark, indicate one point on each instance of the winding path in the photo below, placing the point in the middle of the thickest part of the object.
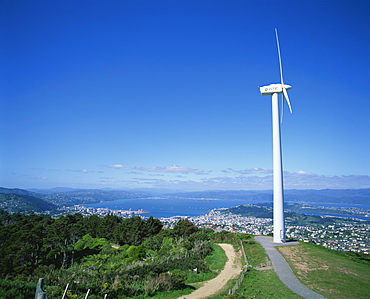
(283, 270)
(232, 269)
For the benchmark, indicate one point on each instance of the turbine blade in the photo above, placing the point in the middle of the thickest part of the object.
(282, 108)
(280, 62)
(287, 99)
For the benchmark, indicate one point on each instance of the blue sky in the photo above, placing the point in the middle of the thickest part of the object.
(164, 94)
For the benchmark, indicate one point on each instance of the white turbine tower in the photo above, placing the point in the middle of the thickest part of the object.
(274, 90)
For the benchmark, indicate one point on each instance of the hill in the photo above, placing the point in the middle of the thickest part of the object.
(88, 196)
(15, 203)
(18, 191)
(291, 217)
(333, 274)
(345, 196)
(74, 196)
(347, 275)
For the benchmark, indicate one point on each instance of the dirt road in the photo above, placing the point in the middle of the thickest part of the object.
(232, 269)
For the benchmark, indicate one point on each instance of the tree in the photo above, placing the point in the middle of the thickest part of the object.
(21, 240)
(152, 226)
(61, 237)
(91, 225)
(107, 227)
(131, 231)
(89, 245)
(135, 253)
(184, 228)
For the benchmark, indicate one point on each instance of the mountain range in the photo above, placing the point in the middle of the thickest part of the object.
(20, 200)
(343, 196)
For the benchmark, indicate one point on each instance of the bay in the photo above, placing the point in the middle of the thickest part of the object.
(167, 207)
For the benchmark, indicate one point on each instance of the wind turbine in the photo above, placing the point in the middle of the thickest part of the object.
(274, 90)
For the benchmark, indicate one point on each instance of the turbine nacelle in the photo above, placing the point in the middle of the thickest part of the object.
(274, 88)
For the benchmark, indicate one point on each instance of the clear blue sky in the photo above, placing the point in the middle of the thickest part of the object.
(164, 94)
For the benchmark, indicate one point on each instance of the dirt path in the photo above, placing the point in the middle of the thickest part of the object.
(232, 269)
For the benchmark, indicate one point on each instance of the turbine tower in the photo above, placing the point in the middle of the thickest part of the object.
(274, 90)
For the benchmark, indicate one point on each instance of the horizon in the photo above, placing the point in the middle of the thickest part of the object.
(142, 94)
(169, 191)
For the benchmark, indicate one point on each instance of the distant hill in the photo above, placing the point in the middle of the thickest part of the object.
(74, 196)
(15, 203)
(69, 197)
(345, 196)
(225, 195)
(292, 218)
(78, 197)
(53, 190)
(251, 211)
(17, 191)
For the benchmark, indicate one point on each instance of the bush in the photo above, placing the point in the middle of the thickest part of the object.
(16, 289)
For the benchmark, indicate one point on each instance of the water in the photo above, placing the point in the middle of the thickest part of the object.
(164, 208)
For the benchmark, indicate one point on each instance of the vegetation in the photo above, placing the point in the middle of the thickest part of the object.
(136, 258)
(119, 257)
(251, 210)
(16, 203)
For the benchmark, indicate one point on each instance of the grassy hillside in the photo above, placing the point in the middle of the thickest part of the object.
(331, 273)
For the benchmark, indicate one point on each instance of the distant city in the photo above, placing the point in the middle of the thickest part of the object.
(345, 236)
(342, 223)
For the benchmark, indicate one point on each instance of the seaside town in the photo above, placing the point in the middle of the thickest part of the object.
(346, 236)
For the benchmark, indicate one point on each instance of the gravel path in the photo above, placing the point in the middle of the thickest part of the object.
(283, 270)
(232, 269)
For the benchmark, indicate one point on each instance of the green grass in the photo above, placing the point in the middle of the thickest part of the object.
(330, 273)
(172, 294)
(215, 261)
(260, 284)
(264, 284)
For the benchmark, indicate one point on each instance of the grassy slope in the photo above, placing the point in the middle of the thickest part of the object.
(327, 272)
(260, 284)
